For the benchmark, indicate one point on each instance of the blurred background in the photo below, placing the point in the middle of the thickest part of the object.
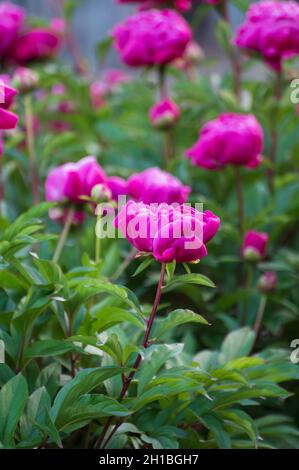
(94, 19)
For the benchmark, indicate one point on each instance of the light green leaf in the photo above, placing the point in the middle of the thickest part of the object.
(85, 381)
(238, 343)
(176, 318)
(13, 397)
(198, 279)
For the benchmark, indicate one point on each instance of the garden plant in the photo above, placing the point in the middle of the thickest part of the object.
(149, 221)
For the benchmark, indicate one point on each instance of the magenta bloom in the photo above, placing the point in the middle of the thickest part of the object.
(169, 233)
(267, 282)
(182, 5)
(70, 181)
(272, 29)
(156, 186)
(184, 237)
(164, 114)
(37, 44)
(117, 186)
(11, 21)
(8, 119)
(153, 37)
(230, 139)
(254, 245)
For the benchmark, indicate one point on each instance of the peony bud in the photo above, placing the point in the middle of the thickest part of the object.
(101, 193)
(267, 282)
(254, 245)
(25, 79)
(164, 114)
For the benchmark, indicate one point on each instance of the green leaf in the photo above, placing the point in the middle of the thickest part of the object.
(85, 381)
(215, 424)
(110, 316)
(170, 269)
(176, 318)
(154, 358)
(183, 279)
(50, 347)
(103, 47)
(266, 389)
(13, 397)
(144, 265)
(244, 422)
(89, 407)
(37, 424)
(238, 343)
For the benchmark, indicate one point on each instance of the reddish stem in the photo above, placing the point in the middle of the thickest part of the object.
(128, 380)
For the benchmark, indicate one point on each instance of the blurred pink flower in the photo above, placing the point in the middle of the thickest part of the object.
(36, 44)
(153, 37)
(182, 5)
(271, 28)
(164, 114)
(235, 139)
(70, 181)
(111, 82)
(11, 21)
(8, 119)
(157, 186)
(117, 186)
(254, 245)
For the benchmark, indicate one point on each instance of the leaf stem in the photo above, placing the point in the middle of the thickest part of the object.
(31, 148)
(64, 234)
(1, 187)
(260, 316)
(274, 135)
(123, 266)
(240, 198)
(101, 442)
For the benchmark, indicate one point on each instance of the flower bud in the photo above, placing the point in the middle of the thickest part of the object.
(164, 114)
(25, 79)
(267, 282)
(254, 245)
(101, 193)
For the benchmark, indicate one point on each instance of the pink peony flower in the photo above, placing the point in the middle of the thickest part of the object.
(8, 119)
(36, 44)
(156, 186)
(268, 282)
(164, 114)
(71, 181)
(153, 37)
(184, 237)
(169, 233)
(11, 21)
(254, 245)
(182, 5)
(272, 29)
(117, 186)
(235, 139)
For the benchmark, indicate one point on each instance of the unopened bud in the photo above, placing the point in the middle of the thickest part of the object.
(25, 79)
(267, 282)
(101, 193)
